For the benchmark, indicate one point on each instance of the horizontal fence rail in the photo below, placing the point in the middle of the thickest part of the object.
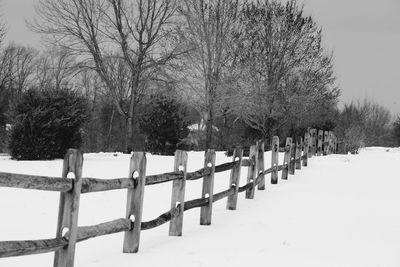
(296, 154)
(89, 185)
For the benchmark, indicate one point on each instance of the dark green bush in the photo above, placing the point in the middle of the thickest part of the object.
(164, 124)
(47, 123)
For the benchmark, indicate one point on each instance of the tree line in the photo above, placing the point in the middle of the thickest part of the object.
(239, 70)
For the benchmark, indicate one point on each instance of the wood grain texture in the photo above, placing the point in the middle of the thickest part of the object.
(306, 145)
(326, 143)
(31, 247)
(45, 183)
(292, 161)
(178, 193)
(251, 172)
(330, 141)
(286, 158)
(320, 142)
(69, 209)
(208, 188)
(313, 144)
(162, 219)
(299, 146)
(191, 176)
(107, 228)
(333, 143)
(221, 195)
(134, 202)
(275, 159)
(90, 185)
(261, 165)
(234, 179)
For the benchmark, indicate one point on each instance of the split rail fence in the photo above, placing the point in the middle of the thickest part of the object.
(68, 233)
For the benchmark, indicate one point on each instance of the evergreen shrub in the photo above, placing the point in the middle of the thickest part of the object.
(47, 123)
(164, 124)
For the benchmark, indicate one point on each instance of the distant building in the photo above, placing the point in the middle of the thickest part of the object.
(201, 126)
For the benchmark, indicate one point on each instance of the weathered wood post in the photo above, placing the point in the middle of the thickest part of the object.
(320, 139)
(292, 162)
(335, 144)
(309, 143)
(261, 167)
(178, 193)
(306, 144)
(330, 142)
(326, 143)
(275, 159)
(286, 158)
(299, 146)
(69, 209)
(235, 179)
(252, 171)
(208, 188)
(314, 142)
(134, 204)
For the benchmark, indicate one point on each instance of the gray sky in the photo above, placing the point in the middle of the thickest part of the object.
(364, 34)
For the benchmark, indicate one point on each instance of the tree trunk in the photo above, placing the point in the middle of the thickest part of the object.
(110, 128)
(209, 128)
(129, 135)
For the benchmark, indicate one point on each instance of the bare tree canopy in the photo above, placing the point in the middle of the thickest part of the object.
(206, 30)
(280, 64)
(102, 32)
(56, 68)
(3, 32)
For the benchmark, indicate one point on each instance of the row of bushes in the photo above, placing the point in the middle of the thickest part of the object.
(46, 123)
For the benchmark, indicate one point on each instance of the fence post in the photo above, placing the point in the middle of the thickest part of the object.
(314, 142)
(330, 143)
(292, 158)
(134, 204)
(275, 159)
(286, 158)
(326, 143)
(69, 209)
(320, 139)
(235, 179)
(334, 144)
(306, 145)
(261, 167)
(208, 188)
(299, 146)
(310, 143)
(178, 193)
(251, 173)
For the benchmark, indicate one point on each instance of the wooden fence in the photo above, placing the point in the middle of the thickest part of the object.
(297, 151)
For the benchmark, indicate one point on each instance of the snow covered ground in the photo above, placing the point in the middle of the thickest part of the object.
(342, 210)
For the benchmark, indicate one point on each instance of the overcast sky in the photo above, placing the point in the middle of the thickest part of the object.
(364, 35)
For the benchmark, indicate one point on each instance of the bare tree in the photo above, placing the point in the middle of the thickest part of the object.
(22, 68)
(206, 30)
(101, 32)
(4, 56)
(55, 68)
(281, 63)
(377, 122)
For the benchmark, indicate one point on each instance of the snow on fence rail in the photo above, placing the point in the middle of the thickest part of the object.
(68, 233)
